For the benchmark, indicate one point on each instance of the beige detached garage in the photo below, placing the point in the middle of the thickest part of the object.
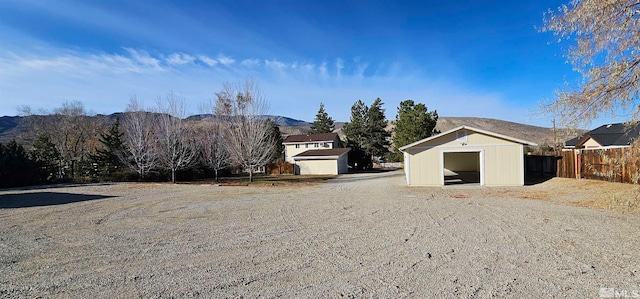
(325, 161)
(465, 155)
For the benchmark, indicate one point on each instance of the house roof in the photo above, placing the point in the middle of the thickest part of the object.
(310, 138)
(573, 141)
(619, 134)
(505, 137)
(332, 153)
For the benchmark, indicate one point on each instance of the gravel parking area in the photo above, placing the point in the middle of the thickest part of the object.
(359, 235)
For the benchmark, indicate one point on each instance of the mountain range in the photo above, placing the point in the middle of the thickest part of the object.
(17, 127)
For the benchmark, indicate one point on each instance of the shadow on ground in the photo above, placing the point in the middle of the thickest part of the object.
(373, 170)
(531, 179)
(367, 175)
(54, 186)
(40, 199)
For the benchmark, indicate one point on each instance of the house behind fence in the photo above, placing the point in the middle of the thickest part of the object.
(605, 153)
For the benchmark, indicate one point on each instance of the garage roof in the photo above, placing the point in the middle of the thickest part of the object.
(327, 154)
(505, 137)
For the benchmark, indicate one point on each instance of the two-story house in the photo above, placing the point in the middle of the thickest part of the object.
(316, 153)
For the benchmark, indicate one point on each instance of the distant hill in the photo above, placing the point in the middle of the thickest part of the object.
(539, 135)
(18, 127)
(288, 126)
(535, 134)
(8, 123)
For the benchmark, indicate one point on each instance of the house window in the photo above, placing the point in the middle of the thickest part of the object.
(316, 145)
(297, 146)
(306, 145)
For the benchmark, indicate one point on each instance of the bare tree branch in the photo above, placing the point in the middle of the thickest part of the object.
(606, 39)
(139, 140)
(213, 144)
(176, 142)
(242, 107)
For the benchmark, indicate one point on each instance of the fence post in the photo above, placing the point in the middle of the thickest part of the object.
(578, 163)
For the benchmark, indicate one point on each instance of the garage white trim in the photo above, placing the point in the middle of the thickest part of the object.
(480, 156)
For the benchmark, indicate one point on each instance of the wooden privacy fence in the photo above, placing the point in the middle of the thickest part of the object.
(566, 165)
(279, 168)
(613, 165)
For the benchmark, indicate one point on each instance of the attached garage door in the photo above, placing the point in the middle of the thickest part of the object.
(318, 166)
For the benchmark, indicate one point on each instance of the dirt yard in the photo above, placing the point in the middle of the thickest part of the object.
(364, 235)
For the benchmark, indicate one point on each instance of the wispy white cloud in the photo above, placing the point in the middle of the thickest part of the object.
(275, 64)
(104, 82)
(308, 67)
(207, 60)
(180, 58)
(250, 62)
(323, 70)
(359, 71)
(225, 60)
(339, 66)
(143, 58)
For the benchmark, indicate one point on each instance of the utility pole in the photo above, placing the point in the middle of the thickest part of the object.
(555, 139)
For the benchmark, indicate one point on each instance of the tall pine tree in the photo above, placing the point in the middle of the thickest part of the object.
(413, 122)
(16, 168)
(376, 142)
(355, 130)
(323, 122)
(274, 134)
(108, 159)
(366, 133)
(47, 158)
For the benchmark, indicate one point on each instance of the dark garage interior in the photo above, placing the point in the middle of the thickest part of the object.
(461, 168)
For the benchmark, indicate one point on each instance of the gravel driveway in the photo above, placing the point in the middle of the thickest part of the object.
(360, 235)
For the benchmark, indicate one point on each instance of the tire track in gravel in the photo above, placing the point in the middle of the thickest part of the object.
(552, 249)
(391, 253)
(524, 229)
(378, 257)
(324, 254)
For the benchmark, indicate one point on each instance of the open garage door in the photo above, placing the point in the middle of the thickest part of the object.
(462, 168)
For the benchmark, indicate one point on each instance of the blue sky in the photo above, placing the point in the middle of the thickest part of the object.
(462, 58)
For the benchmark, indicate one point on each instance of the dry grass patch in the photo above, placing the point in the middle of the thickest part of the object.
(274, 180)
(592, 194)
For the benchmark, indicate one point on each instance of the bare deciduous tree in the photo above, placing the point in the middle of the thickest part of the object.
(242, 106)
(213, 144)
(176, 142)
(606, 39)
(70, 129)
(139, 140)
(71, 133)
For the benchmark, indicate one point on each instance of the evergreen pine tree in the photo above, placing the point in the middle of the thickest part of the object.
(413, 122)
(376, 142)
(274, 134)
(356, 133)
(47, 158)
(107, 159)
(16, 168)
(323, 123)
(355, 129)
